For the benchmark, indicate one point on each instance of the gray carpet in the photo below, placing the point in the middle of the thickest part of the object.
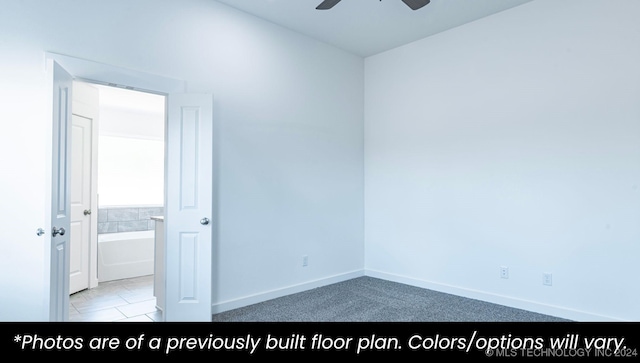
(368, 299)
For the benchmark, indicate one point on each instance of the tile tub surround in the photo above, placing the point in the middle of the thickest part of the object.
(127, 219)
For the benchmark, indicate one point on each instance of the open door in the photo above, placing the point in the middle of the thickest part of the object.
(189, 207)
(83, 234)
(60, 197)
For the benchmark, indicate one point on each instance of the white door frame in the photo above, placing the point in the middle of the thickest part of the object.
(92, 72)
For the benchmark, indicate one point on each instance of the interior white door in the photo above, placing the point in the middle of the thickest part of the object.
(60, 200)
(188, 207)
(83, 237)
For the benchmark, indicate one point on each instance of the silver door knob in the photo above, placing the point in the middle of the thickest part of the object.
(87, 212)
(57, 231)
(204, 221)
(40, 232)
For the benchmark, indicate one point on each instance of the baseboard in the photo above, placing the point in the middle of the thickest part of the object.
(272, 294)
(557, 311)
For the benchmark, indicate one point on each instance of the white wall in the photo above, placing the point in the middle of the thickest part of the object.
(131, 148)
(511, 141)
(290, 116)
(130, 172)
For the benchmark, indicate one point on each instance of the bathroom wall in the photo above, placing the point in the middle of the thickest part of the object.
(127, 219)
(130, 156)
(130, 160)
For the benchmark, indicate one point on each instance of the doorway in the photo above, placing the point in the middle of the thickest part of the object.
(191, 193)
(112, 259)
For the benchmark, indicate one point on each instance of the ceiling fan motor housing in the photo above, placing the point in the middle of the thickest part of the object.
(413, 4)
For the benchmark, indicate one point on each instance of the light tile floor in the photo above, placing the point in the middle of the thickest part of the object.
(126, 300)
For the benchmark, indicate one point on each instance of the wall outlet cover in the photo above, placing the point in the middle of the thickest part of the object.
(504, 272)
(547, 279)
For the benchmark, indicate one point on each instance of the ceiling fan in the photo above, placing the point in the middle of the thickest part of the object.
(413, 4)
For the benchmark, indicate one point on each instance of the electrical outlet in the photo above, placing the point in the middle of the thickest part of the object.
(504, 272)
(547, 279)
(305, 260)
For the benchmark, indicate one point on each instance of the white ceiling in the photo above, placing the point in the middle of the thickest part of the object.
(368, 27)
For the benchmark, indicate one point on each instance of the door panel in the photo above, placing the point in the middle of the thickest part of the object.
(84, 197)
(80, 202)
(188, 210)
(61, 201)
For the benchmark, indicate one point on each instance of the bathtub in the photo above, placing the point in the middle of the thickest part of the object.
(124, 255)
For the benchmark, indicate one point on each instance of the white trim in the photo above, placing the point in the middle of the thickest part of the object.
(293, 289)
(108, 75)
(558, 311)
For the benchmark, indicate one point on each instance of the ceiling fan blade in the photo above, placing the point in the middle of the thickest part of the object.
(327, 4)
(416, 4)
